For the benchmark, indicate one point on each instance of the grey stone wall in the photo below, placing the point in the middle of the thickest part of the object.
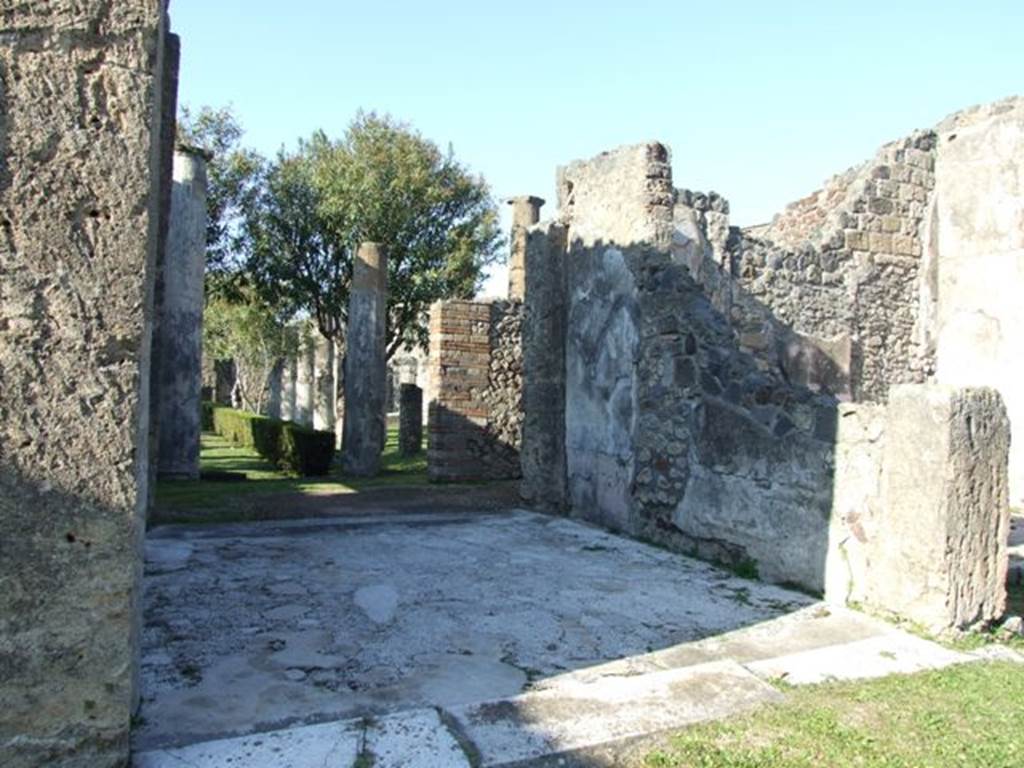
(80, 105)
(842, 269)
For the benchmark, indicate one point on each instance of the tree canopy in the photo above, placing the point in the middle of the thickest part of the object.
(380, 182)
(235, 178)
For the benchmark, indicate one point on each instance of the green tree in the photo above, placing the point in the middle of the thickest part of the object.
(245, 328)
(382, 182)
(235, 179)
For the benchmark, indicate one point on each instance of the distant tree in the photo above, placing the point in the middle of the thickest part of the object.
(235, 177)
(382, 182)
(248, 330)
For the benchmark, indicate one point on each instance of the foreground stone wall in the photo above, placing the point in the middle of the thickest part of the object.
(475, 411)
(79, 141)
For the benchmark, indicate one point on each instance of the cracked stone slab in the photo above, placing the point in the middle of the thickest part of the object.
(273, 624)
(414, 739)
(312, 746)
(576, 715)
(895, 652)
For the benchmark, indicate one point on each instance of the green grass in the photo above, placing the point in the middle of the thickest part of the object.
(222, 499)
(968, 715)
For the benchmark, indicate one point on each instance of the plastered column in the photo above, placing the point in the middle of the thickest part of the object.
(525, 213)
(181, 319)
(323, 411)
(305, 380)
(288, 374)
(365, 365)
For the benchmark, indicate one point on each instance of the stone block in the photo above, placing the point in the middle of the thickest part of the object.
(941, 553)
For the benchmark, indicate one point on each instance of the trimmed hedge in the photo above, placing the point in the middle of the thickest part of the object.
(306, 451)
(286, 445)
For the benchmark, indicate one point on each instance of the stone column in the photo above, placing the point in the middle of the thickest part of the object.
(323, 411)
(181, 320)
(305, 380)
(224, 381)
(525, 213)
(365, 366)
(288, 389)
(410, 420)
(545, 328)
(80, 197)
(275, 390)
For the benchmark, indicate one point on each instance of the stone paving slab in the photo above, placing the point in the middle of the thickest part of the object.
(895, 652)
(263, 626)
(312, 746)
(574, 715)
(416, 739)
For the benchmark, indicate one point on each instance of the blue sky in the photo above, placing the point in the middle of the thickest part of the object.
(760, 101)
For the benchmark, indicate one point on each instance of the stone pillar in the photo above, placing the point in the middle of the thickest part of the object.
(181, 320)
(168, 133)
(941, 553)
(288, 374)
(275, 390)
(224, 381)
(410, 420)
(323, 411)
(305, 380)
(545, 326)
(525, 213)
(79, 221)
(365, 366)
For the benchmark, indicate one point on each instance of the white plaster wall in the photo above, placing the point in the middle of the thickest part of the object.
(979, 220)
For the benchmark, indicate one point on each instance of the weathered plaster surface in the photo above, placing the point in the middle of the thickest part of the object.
(979, 271)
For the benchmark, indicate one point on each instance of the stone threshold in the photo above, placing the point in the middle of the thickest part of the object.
(569, 715)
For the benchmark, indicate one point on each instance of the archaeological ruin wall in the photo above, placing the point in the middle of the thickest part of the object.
(475, 411)
(80, 141)
(702, 409)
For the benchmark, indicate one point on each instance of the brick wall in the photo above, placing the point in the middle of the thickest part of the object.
(475, 411)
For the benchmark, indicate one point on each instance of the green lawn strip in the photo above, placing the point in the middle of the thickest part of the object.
(218, 455)
(966, 715)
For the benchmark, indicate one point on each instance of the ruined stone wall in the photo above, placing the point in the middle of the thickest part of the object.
(475, 411)
(679, 428)
(672, 432)
(841, 269)
(80, 105)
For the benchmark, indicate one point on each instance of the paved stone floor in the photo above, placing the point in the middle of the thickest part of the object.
(517, 633)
